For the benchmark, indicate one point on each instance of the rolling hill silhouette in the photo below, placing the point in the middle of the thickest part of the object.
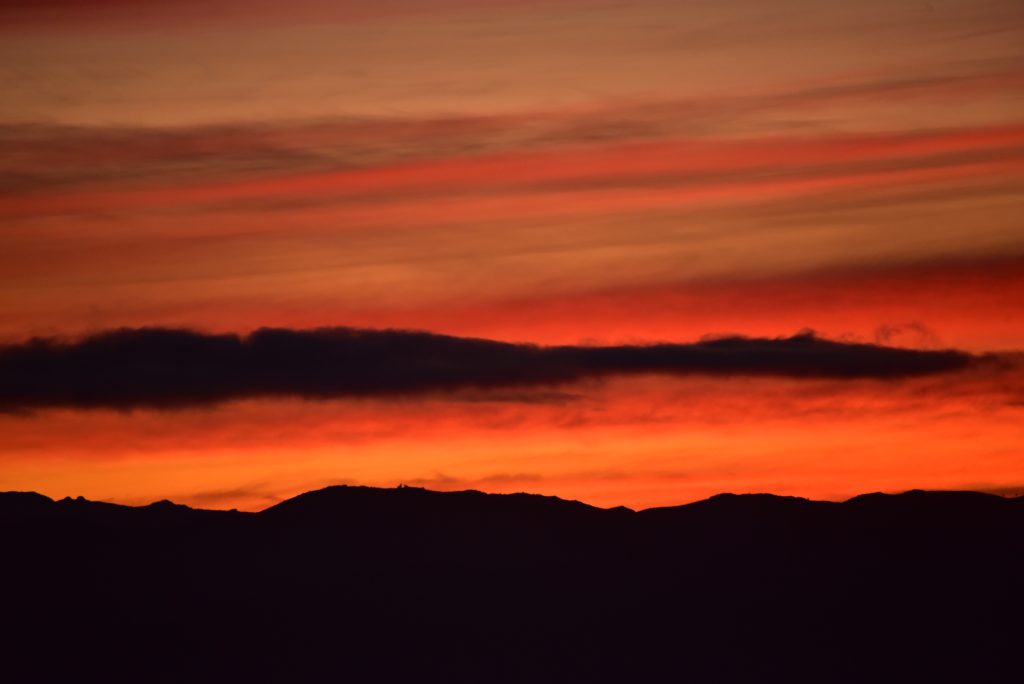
(369, 585)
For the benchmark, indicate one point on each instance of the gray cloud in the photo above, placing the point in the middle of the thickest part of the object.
(155, 367)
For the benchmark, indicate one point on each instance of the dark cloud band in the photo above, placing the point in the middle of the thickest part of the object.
(154, 367)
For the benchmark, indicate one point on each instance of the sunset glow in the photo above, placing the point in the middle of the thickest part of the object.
(570, 173)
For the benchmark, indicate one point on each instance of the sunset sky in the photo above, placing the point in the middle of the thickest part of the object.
(771, 193)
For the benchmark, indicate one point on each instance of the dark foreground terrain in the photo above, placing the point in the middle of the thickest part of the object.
(351, 584)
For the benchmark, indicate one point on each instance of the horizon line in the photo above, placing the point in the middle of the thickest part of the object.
(1007, 493)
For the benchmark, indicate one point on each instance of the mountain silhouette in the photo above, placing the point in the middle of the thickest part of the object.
(328, 504)
(378, 585)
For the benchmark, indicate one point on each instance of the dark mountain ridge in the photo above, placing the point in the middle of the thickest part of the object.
(364, 584)
(341, 500)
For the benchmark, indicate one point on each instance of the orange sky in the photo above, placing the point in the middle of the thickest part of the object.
(554, 172)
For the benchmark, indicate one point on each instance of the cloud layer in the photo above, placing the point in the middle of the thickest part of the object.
(156, 367)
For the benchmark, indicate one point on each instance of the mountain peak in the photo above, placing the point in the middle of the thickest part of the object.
(336, 500)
